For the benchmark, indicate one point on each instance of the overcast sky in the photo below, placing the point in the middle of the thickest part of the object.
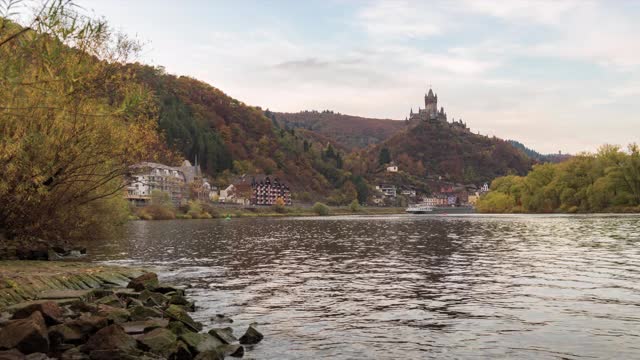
(554, 75)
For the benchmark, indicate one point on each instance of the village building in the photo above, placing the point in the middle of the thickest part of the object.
(408, 192)
(147, 177)
(392, 168)
(387, 190)
(266, 191)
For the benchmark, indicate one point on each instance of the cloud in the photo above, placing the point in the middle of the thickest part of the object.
(400, 19)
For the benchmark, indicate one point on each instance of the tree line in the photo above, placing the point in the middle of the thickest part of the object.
(607, 181)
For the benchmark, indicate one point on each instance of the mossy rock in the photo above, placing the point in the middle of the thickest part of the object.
(177, 313)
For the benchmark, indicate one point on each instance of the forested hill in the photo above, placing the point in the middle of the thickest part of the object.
(230, 138)
(351, 132)
(450, 150)
(552, 158)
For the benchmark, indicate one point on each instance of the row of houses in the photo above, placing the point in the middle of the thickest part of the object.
(447, 195)
(186, 182)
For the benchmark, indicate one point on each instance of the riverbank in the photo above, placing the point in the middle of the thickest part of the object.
(237, 212)
(87, 311)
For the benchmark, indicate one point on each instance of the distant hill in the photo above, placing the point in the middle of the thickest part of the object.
(350, 132)
(543, 158)
(230, 138)
(448, 150)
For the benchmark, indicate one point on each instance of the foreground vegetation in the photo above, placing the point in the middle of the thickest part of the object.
(608, 181)
(71, 124)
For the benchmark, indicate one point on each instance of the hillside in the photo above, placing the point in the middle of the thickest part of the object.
(450, 150)
(351, 132)
(230, 138)
(543, 158)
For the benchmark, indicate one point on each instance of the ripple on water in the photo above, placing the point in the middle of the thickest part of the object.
(512, 286)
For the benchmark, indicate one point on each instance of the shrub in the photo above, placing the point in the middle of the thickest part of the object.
(279, 206)
(354, 206)
(321, 209)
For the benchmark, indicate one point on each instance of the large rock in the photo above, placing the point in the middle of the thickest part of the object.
(224, 334)
(51, 312)
(12, 354)
(180, 351)
(27, 335)
(114, 314)
(144, 313)
(142, 326)
(84, 295)
(150, 298)
(88, 324)
(210, 355)
(158, 341)
(177, 313)
(63, 334)
(111, 341)
(74, 354)
(167, 289)
(198, 343)
(148, 281)
(251, 336)
(232, 350)
(111, 300)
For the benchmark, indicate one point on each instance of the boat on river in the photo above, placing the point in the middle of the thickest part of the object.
(427, 209)
(419, 209)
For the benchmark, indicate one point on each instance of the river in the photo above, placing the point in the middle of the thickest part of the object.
(407, 287)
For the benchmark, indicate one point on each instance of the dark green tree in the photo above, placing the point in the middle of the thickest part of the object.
(384, 157)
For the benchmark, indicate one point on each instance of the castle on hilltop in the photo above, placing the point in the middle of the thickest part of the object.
(431, 112)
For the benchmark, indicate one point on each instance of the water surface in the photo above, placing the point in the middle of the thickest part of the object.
(408, 287)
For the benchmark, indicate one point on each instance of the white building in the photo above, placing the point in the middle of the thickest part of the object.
(148, 177)
(387, 190)
(392, 168)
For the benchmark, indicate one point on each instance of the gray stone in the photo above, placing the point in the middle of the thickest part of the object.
(148, 281)
(66, 294)
(175, 312)
(180, 351)
(224, 334)
(144, 313)
(232, 350)
(158, 341)
(251, 336)
(139, 327)
(150, 298)
(209, 355)
(111, 300)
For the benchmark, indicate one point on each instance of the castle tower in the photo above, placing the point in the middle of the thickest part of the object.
(431, 103)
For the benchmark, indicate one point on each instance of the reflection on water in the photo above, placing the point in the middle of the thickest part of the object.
(408, 286)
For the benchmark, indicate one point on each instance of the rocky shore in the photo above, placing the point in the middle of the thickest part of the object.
(77, 313)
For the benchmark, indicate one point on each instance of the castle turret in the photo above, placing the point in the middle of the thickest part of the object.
(431, 103)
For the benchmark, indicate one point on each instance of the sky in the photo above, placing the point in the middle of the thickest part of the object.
(555, 75)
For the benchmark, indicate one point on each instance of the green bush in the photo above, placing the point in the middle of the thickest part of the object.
(321, 209)
(354, 206)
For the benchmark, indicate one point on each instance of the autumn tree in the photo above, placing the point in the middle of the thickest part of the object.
(71, 123)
